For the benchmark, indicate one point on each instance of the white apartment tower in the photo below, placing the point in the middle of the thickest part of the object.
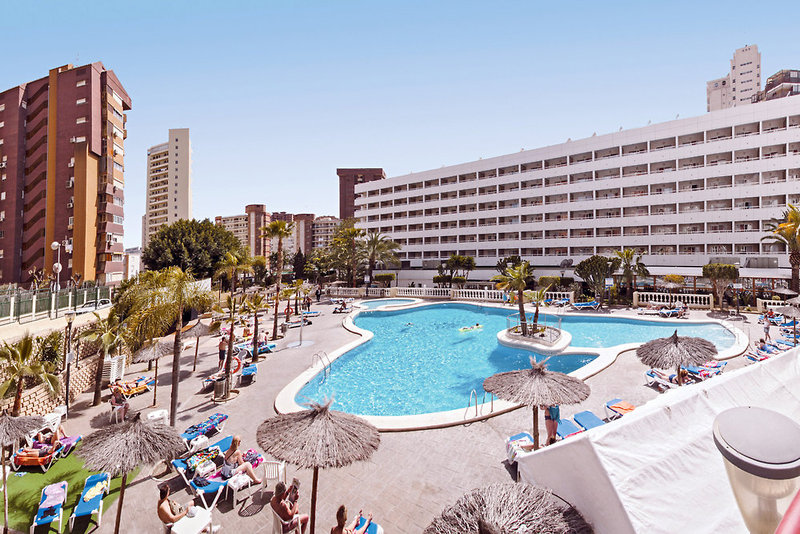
(323, 230)
(683, 192)
(169, 183)
(739, 86)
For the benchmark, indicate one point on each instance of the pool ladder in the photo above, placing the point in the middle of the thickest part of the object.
(324, 361)
(474, 393)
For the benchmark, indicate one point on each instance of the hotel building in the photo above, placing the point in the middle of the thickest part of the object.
(169, 183)
(740, 85)
(348, 178)
(322, 231)
(62, 174)
(302, 236)
(247, 228)
(683, 192)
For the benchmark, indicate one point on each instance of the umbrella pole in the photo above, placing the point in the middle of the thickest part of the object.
(196, 350)
(535, 427)
(5, 491)
(155, 386)
(314, 498)
(121, 498)
(680, 378)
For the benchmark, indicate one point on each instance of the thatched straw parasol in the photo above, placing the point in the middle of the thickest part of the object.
(674, 352)
(151, 351)
(119, 449)
(508, 507)
(318, 438)
(536, 387)
(794, 313)
(13, 429)
(784, 291)
(794, 302)
(199, 329)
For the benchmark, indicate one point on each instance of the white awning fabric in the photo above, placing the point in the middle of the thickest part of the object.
(657, 469)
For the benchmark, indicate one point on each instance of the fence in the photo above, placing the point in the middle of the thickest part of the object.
(558, 295)
(22, 306)
(692, 300)
(763, 305)
(485, 295)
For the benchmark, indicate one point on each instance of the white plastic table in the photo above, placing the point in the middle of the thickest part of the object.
(193, 525)
(158, 416)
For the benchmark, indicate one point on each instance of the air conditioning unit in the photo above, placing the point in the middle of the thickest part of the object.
(70, 204)
(69, 226)
(70, 183)
(73, 139)
(71, 164)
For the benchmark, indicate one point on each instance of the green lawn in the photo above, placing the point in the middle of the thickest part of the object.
(25, 492)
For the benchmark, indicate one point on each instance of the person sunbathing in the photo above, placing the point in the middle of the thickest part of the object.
(37, 452)
(53, 438)
(285, 505)
(118, 398)
(234, 463)
(341, 520)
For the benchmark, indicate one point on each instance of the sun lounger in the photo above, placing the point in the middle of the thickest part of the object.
(659, 379)
(518, 445)
(342, 310)
(44, 462)
(90, 503)
(786, 343)
(567, 428)
(702, 373)
(51, 505)
(648, 311)
(587, 420)
(714, 364)
(263, 347)
(373, 527)
(593, 305)
(674, 312)
(216, 484)
(135, 387)
(248, 374)
(755, 357)
(616, 408)
(547, 302)
(312, 313)
(214, 424)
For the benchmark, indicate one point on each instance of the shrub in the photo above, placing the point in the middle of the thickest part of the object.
(384, 278)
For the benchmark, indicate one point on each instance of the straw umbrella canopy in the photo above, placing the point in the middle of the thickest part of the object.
(13, 429)
(536, 387)
(199, 329)
(676, 351)
(794, 302)
(151, 351)
(119, 449)
(794, 313)
(318, 438)
(784, 291)
(508, 507)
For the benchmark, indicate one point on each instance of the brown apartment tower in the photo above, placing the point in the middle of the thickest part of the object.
(61, 165)
(303, 227)
(348, 178)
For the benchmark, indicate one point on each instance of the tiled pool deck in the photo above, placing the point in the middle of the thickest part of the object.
(411, 477)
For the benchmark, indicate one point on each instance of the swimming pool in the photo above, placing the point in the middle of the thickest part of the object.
(372, 304)
(418, 361)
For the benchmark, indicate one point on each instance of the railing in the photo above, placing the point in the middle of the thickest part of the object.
(491, 295)
(558, 295)
(551, 324)
(422, 292)
(474, 394)
(377, 292)
(22, 306)
(692, 300)
(324, 361)
(762, 305)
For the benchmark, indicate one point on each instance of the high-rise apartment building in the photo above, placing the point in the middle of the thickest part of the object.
(133, 262)
(685, 193)
(740, 85)
(248, 228)
(169, 183)
(781, 84)
(348, 179)
(322, 231)
(303, 230)
(62, 174)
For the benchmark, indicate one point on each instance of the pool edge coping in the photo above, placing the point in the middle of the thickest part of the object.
(604, 358)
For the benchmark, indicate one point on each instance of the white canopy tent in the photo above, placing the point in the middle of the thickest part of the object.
(657, 469)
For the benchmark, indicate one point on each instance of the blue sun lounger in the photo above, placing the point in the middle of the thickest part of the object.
(214, 487)
(567, 428)
(588, 420)
(593, 305)
(51, 507)
(93, 506)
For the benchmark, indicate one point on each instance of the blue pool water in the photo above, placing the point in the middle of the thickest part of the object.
(418, 362)
(372, 304)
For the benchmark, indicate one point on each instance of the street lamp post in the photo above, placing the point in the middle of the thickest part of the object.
(68, 355)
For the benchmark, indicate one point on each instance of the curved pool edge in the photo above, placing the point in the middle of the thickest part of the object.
(604, 357)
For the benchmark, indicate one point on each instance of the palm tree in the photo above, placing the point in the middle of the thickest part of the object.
(111, 335)
(278, 230)
(349, 251)
(379, 249)
(786, 230)
(230, 267)
(516, 279)
(231, 303)
(158, 302)
(631, 265)
(255, 304)
(537, 297)
(19, 364)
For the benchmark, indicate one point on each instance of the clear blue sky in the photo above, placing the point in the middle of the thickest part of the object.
(279, 94)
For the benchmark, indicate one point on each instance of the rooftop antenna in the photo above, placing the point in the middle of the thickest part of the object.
(649, 122)
(594, 134)
(620, 128)
(678, 115)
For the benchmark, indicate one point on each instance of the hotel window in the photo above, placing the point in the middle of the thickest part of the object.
(80, 120)
(80, 101)
(81, 83)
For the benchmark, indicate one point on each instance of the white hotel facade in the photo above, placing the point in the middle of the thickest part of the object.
(683, 192)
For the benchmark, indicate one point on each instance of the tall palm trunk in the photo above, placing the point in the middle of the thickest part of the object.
(18, 397)
(98, 379)
(176, 372)
(278, 289)
(522, 321)
(794, 261)
(5, 490)
(229, 359)
(255, 335)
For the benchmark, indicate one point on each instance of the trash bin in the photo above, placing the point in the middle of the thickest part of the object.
(284, 328)
(219, 388)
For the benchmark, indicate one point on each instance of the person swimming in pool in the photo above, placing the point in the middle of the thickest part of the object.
(409, 324)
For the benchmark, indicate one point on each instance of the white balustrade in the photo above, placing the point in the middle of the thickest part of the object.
(763, 305)
(692, 300)
(558, 295)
